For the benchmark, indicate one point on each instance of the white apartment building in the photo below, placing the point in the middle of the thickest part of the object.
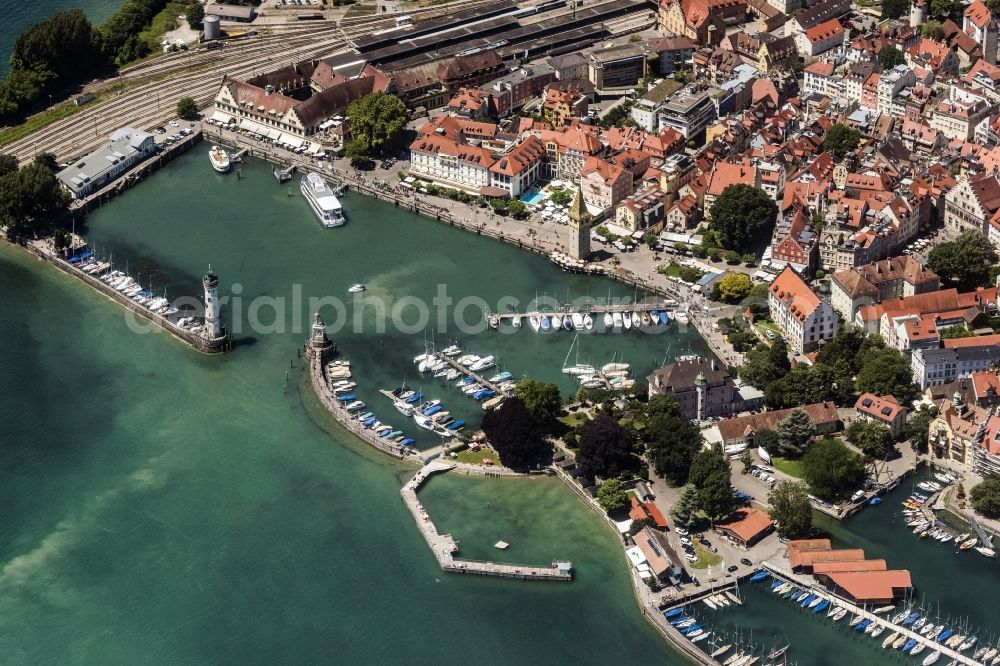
(805, 319)
(932, 367)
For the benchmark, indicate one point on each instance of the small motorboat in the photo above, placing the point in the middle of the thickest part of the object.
(356, 288)
(609, 320)
(588, 322)
(626, 320)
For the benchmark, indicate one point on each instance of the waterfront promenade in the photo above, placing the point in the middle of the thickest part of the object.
(444, 547)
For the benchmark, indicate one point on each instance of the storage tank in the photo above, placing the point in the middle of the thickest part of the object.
(212, 28)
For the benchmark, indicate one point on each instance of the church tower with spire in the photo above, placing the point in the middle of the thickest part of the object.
(579, 225)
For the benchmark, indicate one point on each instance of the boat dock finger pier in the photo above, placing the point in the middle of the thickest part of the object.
(444, 547)
(929, 643)
(479, 379)
(594, 309)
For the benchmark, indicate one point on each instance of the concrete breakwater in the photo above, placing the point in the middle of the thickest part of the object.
(199, 342)
(444, 547)
(340, 414)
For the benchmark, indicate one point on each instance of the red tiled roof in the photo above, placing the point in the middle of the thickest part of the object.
(820, 414)
(794, 294)
(854, 565)
(725, 174)
(883, 408)
(979, 14)
(865, 586)
(749, 524)
(974, 341)
(824, 30)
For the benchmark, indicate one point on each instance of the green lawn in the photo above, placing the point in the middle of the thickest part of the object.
(766, 326)
(574, 419)
(789, 467)
(476, 457)
(706, 558)
(164, 21)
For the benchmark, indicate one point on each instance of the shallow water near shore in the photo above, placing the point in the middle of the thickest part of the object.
(164, 506)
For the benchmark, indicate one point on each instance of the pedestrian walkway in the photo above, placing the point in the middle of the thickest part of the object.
(444, 547)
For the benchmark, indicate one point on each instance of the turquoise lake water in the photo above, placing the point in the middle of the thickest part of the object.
(163, 506)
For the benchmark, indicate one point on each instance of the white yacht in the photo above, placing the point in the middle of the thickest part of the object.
(323, 201)
(219, 159)
(356, 288)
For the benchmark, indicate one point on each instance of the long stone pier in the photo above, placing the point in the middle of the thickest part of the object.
(444, 547)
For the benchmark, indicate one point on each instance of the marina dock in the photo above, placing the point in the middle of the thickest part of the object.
(594, 309)
(444, 547)
(196, 340)
(479, 379)
(805, 583)
(321, 386)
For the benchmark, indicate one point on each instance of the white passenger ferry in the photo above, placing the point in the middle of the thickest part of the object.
(323, 201)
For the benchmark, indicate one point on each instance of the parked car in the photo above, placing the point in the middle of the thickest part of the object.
(769, 334)
(745, 562)
(681, 531)
(732, 568)
(858, 496)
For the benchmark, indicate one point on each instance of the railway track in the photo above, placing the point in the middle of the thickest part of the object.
(144, 95)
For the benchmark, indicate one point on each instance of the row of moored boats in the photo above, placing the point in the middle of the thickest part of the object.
(728, 654)
(428, 414)
(338, 374)
(490, 391)
(541, 322)
(868, 624)
(925, 528)
(127, 286)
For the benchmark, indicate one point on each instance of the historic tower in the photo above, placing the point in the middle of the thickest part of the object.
(318, 345)
(579, 225)
(213, 327)
(918, 13)
(701, 386)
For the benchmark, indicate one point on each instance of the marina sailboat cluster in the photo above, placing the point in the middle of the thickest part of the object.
(925, 525)
(595, 318)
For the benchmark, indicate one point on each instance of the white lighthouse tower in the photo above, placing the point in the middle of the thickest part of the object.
(213, 327)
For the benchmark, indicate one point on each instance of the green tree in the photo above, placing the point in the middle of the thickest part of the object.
(563, 197)
(873, 438)
(946, 9)
(744, 217)
(30, 196)
(805, 384)
(187, 107)
(611, 496)
(742, 340)
(605, 448)
(964, 261)
(831, 469)
(541, 399)
(734, 287)
(716, 495)
(918, 427)
(705, 463)
(731, 257)
(47, 160)
(766, 439)
(986, 496)
(671, 445)
(889, 57)
(357, 152)
(841, 139)
(795, 433)
(892, 9)
(195, 14)
(932, 30)
(765, 364)
(790, 508)
(994, 6)
(515, 435)
(846, 344)
(685, 510)
(517, 209)
(747, 459)
(953, 332)
(888, 372)
(377, 120)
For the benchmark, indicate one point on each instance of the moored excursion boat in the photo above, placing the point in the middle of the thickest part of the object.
(322, 200)
(219, 159)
